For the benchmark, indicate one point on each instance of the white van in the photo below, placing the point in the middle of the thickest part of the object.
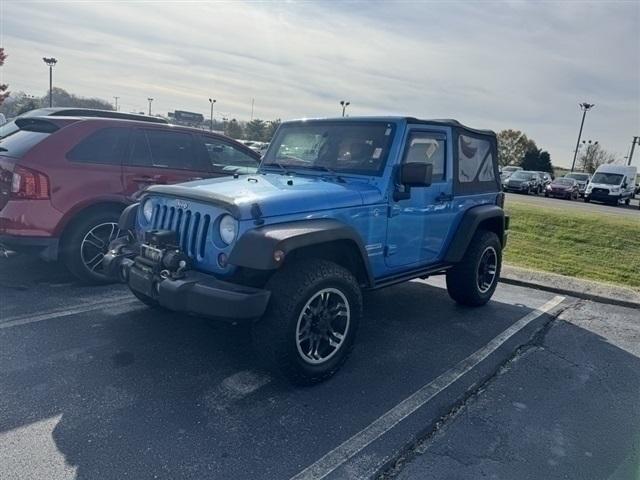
(612, 184)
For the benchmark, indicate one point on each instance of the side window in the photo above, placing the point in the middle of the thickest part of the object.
(475, 163)
(225, 158)
(164, 149)
(106, 146)
(140, 152)
(426, 147)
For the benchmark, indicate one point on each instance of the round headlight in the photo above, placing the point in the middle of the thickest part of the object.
(147, 210)
(228, 229)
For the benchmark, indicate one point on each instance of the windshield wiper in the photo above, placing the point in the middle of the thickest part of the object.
(279, 165)
(326, 169)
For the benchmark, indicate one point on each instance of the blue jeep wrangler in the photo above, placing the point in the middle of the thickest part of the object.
(337, 206)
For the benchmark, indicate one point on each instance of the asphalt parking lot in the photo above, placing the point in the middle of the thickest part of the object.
(96, 385)
(577, 205)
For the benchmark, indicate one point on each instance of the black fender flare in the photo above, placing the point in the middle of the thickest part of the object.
(256, 247)
(127, 221)
(468, 227)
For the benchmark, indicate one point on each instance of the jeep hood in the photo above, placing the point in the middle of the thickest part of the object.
(274, 194)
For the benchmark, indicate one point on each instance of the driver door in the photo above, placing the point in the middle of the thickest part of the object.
(418, 225)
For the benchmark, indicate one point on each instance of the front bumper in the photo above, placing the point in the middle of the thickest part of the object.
(603, 197)
(193, 292)
(515, 189)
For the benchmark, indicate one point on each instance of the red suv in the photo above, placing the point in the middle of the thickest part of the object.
(65, 180)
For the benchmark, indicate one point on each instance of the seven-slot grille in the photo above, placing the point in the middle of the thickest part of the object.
(192, 227)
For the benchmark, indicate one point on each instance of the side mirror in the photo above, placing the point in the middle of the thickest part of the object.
(416, 174)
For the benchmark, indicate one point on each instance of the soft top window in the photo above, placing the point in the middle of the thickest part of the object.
(476, 165)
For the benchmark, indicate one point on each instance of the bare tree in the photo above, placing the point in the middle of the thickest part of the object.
(594, 156)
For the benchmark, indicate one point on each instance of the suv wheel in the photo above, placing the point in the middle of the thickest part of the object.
(473, 281)
(86, 243)
(310, 325)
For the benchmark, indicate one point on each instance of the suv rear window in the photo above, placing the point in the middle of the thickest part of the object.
(20, 142)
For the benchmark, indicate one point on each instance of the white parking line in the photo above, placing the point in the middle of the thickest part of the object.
(341, 454)
(65, 312)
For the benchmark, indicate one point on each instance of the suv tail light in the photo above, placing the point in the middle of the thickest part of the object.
(29, 184)
(500, 199)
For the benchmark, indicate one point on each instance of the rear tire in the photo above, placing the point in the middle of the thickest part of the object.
(86, 242)
(473, 280)
(311, 322)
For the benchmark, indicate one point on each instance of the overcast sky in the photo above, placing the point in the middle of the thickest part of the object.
(521, 65)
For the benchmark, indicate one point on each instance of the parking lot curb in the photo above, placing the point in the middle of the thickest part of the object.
(574, 287)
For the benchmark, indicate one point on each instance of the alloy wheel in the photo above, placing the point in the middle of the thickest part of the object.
(95, 244)
(487, 269)
(323, 325)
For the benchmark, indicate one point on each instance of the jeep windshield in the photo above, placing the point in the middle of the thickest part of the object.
(358, 147)
(607, 178)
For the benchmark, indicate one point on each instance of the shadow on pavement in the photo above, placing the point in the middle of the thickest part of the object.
(149, 394)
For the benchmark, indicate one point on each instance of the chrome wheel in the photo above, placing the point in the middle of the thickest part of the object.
(487, 269)
(95, 243)
(322, 326)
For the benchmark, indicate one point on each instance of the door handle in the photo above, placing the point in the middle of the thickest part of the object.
(444, 197)
(150, 179)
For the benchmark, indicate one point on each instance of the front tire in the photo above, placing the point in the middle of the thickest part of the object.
(473, 280)
(310, 325)
(87, 241)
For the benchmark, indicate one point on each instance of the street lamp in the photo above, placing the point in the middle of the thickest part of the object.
(116, 103)
(50, 63)
(211, 101)
(344, 104)
(585, 107)
(150, 100)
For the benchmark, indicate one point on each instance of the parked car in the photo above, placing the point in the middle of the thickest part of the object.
(545, 179)
(582, 179)
(65, 180)
(361, 204)
(523, 181)
(506, 172)
(613, 184)
(11, 127)
(563, 188)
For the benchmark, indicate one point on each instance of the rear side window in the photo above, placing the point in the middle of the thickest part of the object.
(476, 165)
(164, 149)
(225, 158)
(426, 147)
(20, 142)
(107, 146)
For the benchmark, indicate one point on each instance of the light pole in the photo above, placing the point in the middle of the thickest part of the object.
(211, 101)
(150, 100)
(50, 63)
(116, 103)
(344, 104)
(633, 146)
(585, 107)
(253, 101)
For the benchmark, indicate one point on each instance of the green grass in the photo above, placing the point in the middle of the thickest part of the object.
(593, 246)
